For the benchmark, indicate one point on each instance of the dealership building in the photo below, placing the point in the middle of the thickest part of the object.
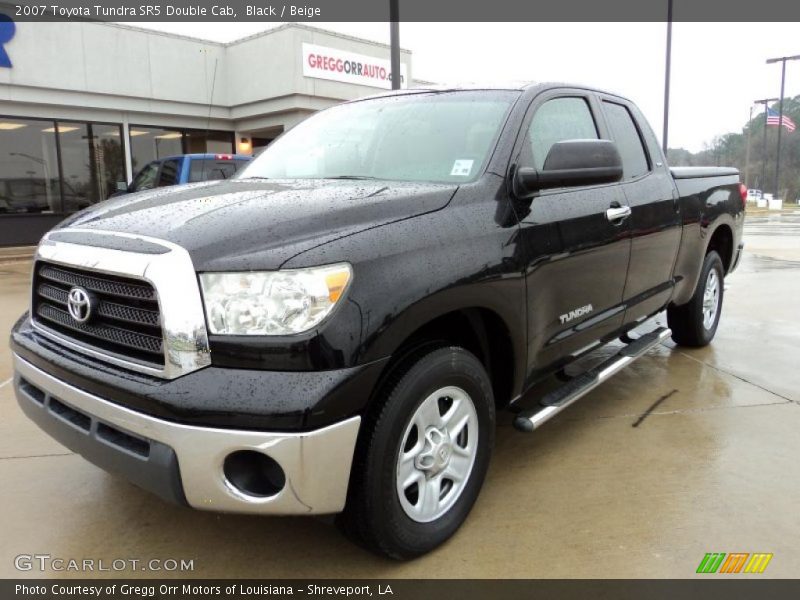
(85, 105)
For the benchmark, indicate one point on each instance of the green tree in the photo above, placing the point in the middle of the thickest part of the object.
(730, 149)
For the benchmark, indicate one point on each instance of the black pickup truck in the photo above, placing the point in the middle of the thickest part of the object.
(333, 330)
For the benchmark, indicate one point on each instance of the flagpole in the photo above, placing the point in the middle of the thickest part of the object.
(781, 60)
(763, 179)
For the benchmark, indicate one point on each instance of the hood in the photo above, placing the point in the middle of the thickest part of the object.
(243, 224)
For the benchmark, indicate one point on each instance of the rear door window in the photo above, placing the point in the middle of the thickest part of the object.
(629, 142)
(210, 169)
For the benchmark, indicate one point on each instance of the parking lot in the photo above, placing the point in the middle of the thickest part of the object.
(686, 452)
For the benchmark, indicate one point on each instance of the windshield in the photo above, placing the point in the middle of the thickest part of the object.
(431, 137)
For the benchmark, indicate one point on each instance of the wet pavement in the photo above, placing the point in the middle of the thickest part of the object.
(688, 451)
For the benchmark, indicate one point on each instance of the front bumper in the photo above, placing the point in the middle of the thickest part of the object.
(184, 463)
(216, 397)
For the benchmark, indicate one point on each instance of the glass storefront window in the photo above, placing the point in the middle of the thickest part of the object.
(152, 143)
(211, 142)
(91, 162)
(58, 167)
(29, 177)
(76, 180)
(52, 167)
(220, 142)
(110, 158)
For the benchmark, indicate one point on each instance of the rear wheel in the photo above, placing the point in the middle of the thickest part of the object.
(422, 454)
(695, 323)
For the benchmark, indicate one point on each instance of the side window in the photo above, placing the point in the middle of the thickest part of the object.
(555, 121)
(146, 179)
(170, 171)
(629, 142)
(211, 170)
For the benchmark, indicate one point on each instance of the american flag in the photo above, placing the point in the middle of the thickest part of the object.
(773, 118)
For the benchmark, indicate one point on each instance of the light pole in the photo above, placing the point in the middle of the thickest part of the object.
(667, 70)
(782, 60)
(747, 151)
(394, 41)
(765, 102)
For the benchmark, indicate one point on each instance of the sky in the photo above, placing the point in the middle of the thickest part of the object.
(718, 69)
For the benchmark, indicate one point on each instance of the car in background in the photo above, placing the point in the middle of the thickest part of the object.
(186, 168)
(754, 195)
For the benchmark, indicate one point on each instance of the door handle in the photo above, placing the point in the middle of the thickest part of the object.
(618, 213)
(676, 200)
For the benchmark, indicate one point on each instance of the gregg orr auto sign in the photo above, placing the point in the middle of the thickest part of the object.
(322, 62)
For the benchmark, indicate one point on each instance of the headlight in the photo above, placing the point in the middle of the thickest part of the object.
(272, 302)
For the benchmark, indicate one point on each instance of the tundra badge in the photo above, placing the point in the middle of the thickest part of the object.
(578, 312)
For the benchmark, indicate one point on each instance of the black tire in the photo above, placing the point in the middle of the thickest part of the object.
(374, 516)
(687, 320)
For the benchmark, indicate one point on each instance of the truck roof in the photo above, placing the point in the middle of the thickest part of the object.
(211, 155)
(475, 86)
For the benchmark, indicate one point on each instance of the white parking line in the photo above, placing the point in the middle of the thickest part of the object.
(6, 382)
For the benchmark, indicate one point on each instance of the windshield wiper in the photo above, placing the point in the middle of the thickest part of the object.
(357, 177)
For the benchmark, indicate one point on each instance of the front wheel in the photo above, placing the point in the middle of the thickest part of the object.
(423, 454)
(695, 323)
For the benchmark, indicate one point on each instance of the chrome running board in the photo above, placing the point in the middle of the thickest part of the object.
(559, 399)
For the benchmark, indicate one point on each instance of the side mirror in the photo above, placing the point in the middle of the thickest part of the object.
(572, 163)
(122, 186)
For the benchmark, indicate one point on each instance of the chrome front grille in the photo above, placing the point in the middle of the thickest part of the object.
(125, 318)
(146, 313)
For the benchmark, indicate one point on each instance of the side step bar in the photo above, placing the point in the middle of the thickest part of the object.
(559, 399)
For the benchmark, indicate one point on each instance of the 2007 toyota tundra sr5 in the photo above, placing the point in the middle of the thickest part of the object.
(333, 330)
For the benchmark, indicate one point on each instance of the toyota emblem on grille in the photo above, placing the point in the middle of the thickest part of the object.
(79, 304)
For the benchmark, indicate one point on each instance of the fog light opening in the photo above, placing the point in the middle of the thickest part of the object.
(254, 473)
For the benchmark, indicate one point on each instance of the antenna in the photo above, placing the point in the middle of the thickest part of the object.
(210, 104)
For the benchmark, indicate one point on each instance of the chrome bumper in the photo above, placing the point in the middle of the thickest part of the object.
(316, 463)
